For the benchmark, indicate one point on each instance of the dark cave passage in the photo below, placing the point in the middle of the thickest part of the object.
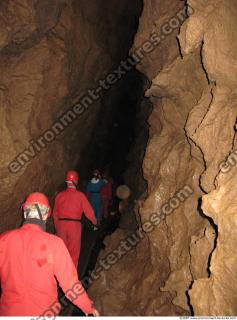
(112, 142)
(145, 91)
(115, 132)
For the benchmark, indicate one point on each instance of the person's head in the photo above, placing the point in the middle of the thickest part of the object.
(72, 179)
(96, 174)
(36, 206)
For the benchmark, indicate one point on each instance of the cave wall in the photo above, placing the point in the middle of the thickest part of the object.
(215, 136)
(51, 53)
(188, 263)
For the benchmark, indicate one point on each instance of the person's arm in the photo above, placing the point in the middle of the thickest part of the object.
(66, 274)
(88, 210)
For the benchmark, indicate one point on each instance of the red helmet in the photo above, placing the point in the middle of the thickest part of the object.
(37, 198)
(72, 176)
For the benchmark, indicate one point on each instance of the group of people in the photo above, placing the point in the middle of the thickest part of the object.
(32, 260)
(100, 194)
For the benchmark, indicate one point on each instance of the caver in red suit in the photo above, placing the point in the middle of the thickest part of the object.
(68, 209)
(107, 196)
(30, 262)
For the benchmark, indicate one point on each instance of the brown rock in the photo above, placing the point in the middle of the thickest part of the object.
(51, 53)
(189, 260)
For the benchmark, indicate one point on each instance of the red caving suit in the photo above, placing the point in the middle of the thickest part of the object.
(107, 197)
(30, 259)
(70, 204)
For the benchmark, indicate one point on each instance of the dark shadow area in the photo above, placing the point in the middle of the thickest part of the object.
(189, 299)
(215, 227)
(115, 131)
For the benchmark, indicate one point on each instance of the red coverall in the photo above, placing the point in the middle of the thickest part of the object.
(107, 197)
(30, 259)
(71, 204)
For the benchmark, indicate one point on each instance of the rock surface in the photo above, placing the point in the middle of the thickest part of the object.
(51, 53)
(188, 262)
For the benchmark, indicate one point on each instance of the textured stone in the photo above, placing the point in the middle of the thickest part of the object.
(189, 260)
(51, 53)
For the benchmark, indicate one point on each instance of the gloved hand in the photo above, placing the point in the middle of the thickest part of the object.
(95, 228)
(95, 313)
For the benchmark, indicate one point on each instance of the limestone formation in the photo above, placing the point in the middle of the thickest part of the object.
(188, 263)
(51, 53)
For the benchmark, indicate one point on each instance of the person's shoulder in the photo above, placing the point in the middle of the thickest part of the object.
(60, 194)
(80, 194)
